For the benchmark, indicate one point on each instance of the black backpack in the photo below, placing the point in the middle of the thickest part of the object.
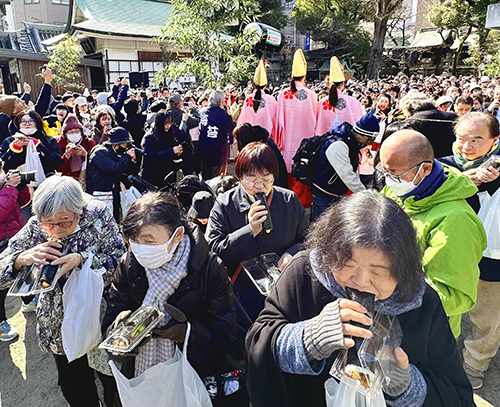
(187, 187)
(305, 160)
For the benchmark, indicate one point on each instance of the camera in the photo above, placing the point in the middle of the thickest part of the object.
(26, 178)
(42, 68)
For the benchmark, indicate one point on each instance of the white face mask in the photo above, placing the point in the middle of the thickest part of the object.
(403, 187)
(74, 138)
(153, 256)
(28, 131)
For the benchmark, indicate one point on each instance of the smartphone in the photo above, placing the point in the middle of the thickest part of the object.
(42, 68)
(493, 161)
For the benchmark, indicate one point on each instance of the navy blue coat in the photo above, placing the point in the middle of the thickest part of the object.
(159, 154)
(216, 127)
(50, 153)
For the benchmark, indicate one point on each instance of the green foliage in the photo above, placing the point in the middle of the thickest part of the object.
(63, 61)
(271, 13)
(461, 17)
(201, 27)
(492, 68)
(338, 23)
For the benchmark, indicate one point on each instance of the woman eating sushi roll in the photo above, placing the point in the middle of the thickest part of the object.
(67, 226)
(364, 248)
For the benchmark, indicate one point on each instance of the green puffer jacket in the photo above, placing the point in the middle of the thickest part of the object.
(452, 239)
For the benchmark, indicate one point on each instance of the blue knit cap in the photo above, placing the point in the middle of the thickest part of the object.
(367, 126)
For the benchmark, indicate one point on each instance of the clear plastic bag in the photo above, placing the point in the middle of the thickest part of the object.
(369, 368)
(343, 395)
(263, 271)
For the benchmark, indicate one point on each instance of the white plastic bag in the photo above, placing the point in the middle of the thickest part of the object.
(173, 383)
(343, 395)
(490, 216)
(127, 198)
(33, 163)
(81, 327)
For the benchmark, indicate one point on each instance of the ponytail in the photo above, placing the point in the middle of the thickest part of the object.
(293, 87)
(333, 98)
(257, 98)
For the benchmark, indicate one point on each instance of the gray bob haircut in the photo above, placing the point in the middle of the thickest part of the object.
(216, 98)
(59, 194)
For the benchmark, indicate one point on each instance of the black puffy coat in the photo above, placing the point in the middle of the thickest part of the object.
(159, 154)
(205, 296)
(437, 126)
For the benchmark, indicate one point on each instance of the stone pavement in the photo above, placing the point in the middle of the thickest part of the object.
(28, 376)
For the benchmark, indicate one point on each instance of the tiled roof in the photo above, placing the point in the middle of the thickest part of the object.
(123, 17)
(429, 38)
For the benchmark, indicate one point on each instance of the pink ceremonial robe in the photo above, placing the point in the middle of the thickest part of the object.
(265, 115)
(296, 120)
(348, 109)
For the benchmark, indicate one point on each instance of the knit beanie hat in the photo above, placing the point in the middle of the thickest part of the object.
(119, 135)
(7, 105)
(71, 123)
(102, 98)
(65, 98)
(367, 126)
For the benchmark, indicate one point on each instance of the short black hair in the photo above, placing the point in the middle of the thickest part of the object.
(371, 221)
(153, 208)
(256, 158)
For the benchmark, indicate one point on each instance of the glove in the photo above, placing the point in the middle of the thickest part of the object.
(324, 334)
(399, 381)
(176, 328)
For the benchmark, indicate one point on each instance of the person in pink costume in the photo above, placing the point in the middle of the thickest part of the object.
(296, 114)
(259, 108)
(337, 108)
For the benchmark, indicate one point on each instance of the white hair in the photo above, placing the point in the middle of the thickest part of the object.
(59, 194)
(216, 98)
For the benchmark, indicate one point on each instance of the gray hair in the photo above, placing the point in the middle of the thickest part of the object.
(413, 101)
(216, 98)
(59, 194)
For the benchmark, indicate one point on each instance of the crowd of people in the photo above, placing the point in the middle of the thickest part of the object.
(399, 203)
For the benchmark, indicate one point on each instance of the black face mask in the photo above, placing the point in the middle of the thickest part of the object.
(121, 150)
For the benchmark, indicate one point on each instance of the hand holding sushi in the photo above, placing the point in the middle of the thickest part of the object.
(68, 262)
(42, 254)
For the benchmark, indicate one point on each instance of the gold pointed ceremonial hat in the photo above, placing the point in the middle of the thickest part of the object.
(299, 67)
(336, 70)
(260, 77)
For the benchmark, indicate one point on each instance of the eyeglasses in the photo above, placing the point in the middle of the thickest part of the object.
(253, 182)
(64, 224)
(27, 122)
(397, 178)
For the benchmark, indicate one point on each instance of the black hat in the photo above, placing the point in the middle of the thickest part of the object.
(202, 205)
(65, 98)
(118, 135)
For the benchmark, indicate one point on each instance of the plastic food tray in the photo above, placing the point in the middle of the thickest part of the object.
(29, 281)
(263, 271)
(129, 333)
(369, 368)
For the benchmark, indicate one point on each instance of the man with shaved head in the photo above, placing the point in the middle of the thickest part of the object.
(451, 236)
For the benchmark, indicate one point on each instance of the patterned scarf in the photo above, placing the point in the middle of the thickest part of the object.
(163, 282)
(467, 164)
